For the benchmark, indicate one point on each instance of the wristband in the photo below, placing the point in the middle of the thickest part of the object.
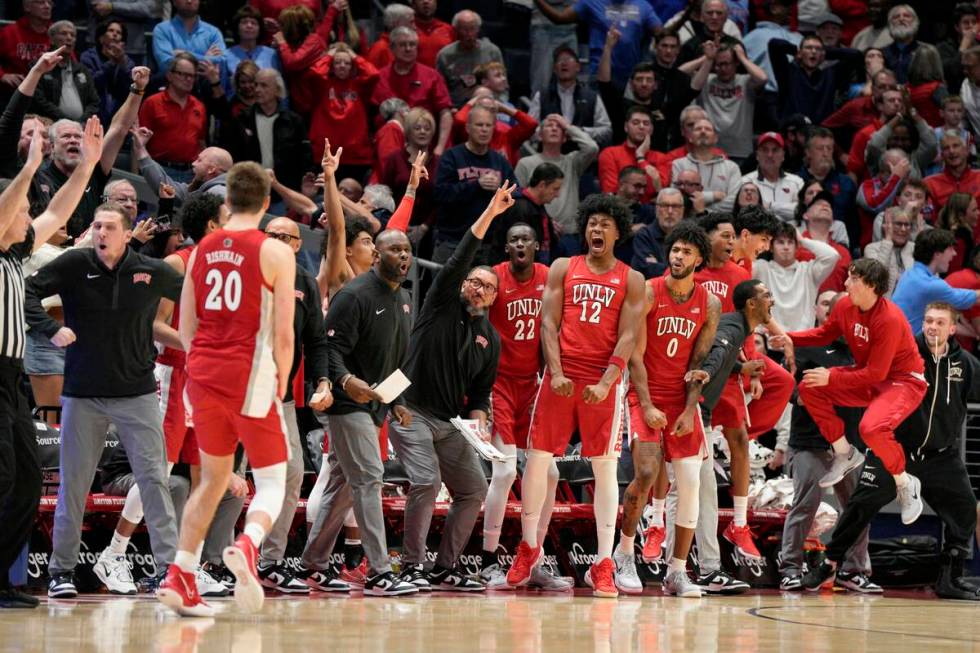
(135, 90)
(343, 381)
(618, 362)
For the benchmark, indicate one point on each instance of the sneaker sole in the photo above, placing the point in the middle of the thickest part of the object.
(401, 592)
(851, 587)
(104, 579)
(605, 594)
(913, 518)
(650, 560)
(284, 590)
(214, 594)
(625, 589)
(453, 588)
(328, 590)
(724, 591)
(72, 594)
(742, 552)
(175, 602)
(249, 594)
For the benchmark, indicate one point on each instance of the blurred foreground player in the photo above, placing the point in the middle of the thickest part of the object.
(237, 327)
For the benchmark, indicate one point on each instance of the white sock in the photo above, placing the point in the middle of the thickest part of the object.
(255, 533)
(741, 508)
(118, 544)
(658, 511)
(626, 543)
(841, 446)
(676, 564)
(187, 561)
(901, 480)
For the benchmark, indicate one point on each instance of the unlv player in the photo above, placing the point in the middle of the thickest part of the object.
(681, 320)
(516, 315)
(237, 327)
(590, 310)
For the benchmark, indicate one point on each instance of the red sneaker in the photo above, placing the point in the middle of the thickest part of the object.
(653, 542)
(241, 559)
(525, 560)
(600, 577)
(357, 576)
(741, 537)
(178, 591)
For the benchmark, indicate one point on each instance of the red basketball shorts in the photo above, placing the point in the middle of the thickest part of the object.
(220, 426)
(555, 418)
(176, 418)
(674, 446)
(512, 399)
(730, 411)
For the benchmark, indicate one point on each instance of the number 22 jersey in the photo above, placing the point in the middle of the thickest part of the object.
(231, 353)
(516, 315)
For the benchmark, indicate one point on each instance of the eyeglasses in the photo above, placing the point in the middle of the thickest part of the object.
(665, 205)
(476, 284)
(278, 235)
(902, 225)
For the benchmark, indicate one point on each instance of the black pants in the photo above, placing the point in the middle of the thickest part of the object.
(20, 470)
(945, 487)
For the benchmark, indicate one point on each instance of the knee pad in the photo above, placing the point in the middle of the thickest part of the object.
(133, 508)
(687, 479)
(270, 490)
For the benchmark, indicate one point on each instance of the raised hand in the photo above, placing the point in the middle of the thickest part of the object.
(166, 191)
(210, 71)
(50, 60)
(419, 171)
(92, 141)
(141, 136)
(503, 199)
(331, 160)
(612, 37)
(141, 77)
(35, 153)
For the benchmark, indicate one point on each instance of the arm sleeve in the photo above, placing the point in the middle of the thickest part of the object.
(136, 9)
(714, 362)
(940, 291)
(403, 214)
(587, 148)
(342, 325)
(10, 122)
(608, 171)
(601, 129)
(644, 245)
(163, 45)
(877, 201)
(778, 51)
(153, 173)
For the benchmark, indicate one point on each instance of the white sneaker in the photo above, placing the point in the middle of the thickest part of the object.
(677, 583)
(841, 466)
(495, 578)
(627, 579)
(113, 570)
(543, 578)
(910, 499)
(209, 587)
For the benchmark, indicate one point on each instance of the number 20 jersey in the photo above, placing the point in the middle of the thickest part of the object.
(672, 331)
(590, 318)
(231, 353)
(516, 315)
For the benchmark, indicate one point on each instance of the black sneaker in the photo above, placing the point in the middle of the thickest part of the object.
(13, 598)
(62, 586)
(856, 583)
(220, 573)
(416, 575)
(817, 575)
(387, 584)
(324, 580)
(150, 584)
(792, 583)
(721, 582)
(950, 586)
(450, 580)
(279, 578)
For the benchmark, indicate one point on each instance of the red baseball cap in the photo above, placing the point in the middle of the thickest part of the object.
(774, 137)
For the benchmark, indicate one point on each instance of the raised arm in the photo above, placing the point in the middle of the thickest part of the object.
(630, 315)
(403, 214)
(604, 72)
(700, 77)
(758, 75)
(334, 270)
(124, 118)
(14, 197)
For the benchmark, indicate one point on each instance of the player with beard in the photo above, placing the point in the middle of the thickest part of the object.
(516, 315)
(681, 319)
(591, 307)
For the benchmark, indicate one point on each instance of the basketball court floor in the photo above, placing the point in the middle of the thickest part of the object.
(507, 622)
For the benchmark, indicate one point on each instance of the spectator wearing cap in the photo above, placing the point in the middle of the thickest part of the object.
(956, 176)
(727, 96)
(458, 61)
(416, 83)
(819, 165)
(894, 251)
(634, 151)
(578, 103)
(876, 34)
(963, 38)
(434, 34)
(719, 177)
(546, 37)
(829, 27)
(810, 83)
(395, 15)
(757, 40)
(68, 91)
(635, 20)
(903, 26)
(23, 42)
(778, 189)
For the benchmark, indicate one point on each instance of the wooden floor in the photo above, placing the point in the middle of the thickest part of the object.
(506, 622)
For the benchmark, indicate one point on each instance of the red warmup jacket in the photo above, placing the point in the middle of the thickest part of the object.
(616, 157)
(296, 63)
(854, 14)
(855, 114)
(380, 53)
(433, 36)
(856, 163)
(883, 330)
(506, 139)
(339, 110)
(388, 139)
(943, 184)
(20, 47)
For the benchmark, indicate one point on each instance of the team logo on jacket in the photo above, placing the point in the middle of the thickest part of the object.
(483, 342)
(142, 277)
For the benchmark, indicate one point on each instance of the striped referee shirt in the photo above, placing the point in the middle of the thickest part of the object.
(13, 328)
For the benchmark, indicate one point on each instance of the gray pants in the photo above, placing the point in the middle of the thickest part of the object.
(84, 422)
(274, 547)
(180, 489)
(806, 467)
(433, 452)
(221, 533)
(706, 532)
(356, 475)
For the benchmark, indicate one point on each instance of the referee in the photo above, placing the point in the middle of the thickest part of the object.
(20, 470)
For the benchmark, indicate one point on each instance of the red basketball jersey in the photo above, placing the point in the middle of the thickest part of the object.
(672, 330)
(516, 315)
(231, 353)
(721, 282)
(590, 318)
(170, 356)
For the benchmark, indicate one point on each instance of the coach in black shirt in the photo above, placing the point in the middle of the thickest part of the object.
(452, 364)
(110, 295)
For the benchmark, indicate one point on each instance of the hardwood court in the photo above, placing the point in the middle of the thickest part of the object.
(507, 622)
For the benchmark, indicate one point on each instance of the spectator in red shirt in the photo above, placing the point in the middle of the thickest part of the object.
(506, 139)
(956, 175)
(299, 47)
(416, 83)
(391, 136)
(177, 119)
(889, 105)
(635, 151)
(968, 329)
(434, 34)
(21, 43)
(396, 170)
(861, 111)
(395, 15)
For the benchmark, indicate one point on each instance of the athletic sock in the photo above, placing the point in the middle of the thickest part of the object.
(741, 510)
(676, 564)
(118, 544)
(841, 446)
(187, 561)
(626, 543)
(255, 533)
(353, 553)
(658, 512)
(487, 558)
(901, 480)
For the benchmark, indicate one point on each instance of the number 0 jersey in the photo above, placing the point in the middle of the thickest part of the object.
(590, 318)
(231, 353)
(516, 315)
(672, 330)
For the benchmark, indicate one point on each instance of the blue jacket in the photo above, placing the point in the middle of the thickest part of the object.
(460, 199)
(919, 286)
